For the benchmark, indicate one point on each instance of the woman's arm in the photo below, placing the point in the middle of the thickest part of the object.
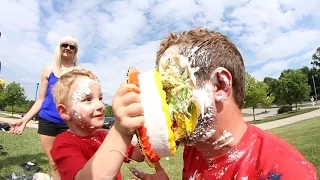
(42, 94)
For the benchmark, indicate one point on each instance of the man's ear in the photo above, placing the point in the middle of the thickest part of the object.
(222, 84)
(63, 112)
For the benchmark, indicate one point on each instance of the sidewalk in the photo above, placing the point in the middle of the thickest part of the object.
(271, 112)
(10, 114)
(32, 123)
(290, 120)
(264, 126)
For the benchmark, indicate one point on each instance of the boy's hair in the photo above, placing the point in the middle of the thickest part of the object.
(62, 87)
(209, 50)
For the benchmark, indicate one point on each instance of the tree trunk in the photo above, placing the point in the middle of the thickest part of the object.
(11, 111)
(254, 116)
(296, 107)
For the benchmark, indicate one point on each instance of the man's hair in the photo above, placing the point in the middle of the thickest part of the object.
(209, 50)
(62, 87)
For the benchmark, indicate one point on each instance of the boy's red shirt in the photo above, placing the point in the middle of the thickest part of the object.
(258, 156)
(71, 152)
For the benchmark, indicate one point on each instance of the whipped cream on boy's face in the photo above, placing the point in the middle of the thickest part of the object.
(87, 108)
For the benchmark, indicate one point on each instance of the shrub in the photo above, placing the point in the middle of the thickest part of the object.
(16, 109)
(284, 109)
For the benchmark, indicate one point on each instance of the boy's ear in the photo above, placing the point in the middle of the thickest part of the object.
(63, 112)
(222, 83)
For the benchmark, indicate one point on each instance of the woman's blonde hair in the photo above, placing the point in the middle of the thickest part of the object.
(57, 53)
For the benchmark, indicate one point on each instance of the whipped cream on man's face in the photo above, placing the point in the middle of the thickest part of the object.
(199, 95)
(202, 97)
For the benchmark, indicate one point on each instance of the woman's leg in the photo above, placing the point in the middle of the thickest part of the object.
(48, 132)
(47, 143)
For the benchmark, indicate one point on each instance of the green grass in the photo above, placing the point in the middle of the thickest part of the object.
(246, 114)
(282, 116)
(173, 166)
(20, 149)
(306, 105)
(305, 137)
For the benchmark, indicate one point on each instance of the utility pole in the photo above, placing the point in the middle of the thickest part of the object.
(35, 99)
(315, 89)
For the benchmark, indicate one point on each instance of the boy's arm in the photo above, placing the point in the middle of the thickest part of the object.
(128, 111)
(107, 161)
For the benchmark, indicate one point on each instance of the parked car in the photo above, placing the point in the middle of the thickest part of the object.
(108, 122)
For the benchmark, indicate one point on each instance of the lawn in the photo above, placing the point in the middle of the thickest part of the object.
(246, 114)
(173, 166)
(304, 136)
(20, 149)
(283, 115)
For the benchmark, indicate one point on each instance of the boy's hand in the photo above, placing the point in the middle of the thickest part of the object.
(127, 110)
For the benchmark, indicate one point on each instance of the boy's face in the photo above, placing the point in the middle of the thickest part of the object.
(85, 105)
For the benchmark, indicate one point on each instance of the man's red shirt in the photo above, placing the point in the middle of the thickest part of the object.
(258, 156)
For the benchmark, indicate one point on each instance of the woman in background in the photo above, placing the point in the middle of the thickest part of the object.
(50, 123)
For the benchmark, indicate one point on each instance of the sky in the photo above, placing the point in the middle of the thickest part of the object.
(271, 35)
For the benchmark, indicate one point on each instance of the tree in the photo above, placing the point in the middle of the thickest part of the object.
(267, 101)
(2, 102)
(272, 84)
(13, 95)
(272, 89)
(256, 92)
(285, 72)
(109, 112)
(316, 58)
(312, 74)
(293, 87)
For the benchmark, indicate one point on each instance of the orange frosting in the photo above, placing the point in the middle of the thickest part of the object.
(151, 156)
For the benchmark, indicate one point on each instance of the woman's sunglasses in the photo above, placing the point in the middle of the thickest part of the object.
(72, 47)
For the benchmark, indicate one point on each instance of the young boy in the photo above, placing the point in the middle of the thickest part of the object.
(223, 145)
(85, 151)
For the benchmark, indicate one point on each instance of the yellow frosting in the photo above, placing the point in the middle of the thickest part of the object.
(165, 109)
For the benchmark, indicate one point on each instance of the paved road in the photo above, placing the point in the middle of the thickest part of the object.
(34, 124)
(271, 112)
(264, 126)
(260, 113)
(290, 120)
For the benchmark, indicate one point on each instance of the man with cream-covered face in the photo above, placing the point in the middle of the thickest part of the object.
(223, 145)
